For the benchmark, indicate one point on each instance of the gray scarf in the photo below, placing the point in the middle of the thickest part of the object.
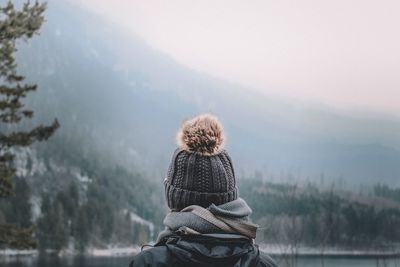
(230, 217)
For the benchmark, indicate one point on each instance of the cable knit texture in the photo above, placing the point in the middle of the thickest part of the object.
(197, 179)
(201, 171)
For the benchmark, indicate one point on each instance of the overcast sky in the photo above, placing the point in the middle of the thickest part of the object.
(344, 53)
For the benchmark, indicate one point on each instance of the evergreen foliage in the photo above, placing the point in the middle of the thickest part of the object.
(382, 190)
(96, 214)
(320, 218)
(16, 25)
(95, 209)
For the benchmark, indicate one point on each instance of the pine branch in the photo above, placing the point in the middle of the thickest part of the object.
(16, 237)
(16, 25)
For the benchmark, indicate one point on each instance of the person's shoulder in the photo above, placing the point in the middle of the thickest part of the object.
(266, 260)
(155, 256)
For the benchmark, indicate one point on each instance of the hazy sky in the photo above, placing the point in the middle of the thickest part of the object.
(344, 53)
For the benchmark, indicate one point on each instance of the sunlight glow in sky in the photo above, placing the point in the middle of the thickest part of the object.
(344, 53)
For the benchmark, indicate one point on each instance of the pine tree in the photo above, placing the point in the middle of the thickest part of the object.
(60, 234)
(16, 24)
(82, 229)
(18, 207)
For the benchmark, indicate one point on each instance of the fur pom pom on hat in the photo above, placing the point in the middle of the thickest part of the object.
(201, 171)
(203, 134)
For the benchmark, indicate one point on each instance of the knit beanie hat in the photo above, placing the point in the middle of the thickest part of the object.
(201, 171)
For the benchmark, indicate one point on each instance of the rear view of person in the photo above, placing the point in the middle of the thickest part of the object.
(208, 223)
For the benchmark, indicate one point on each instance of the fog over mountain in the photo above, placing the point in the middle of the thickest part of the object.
(340, 53)
(123, 100)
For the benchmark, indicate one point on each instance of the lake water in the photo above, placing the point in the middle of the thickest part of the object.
(124, 262)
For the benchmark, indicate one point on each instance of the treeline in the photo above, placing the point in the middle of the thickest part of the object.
(76, 200)
(294, 215)
(74, 218)
(385, 191)
(80, 201)
(92, 219)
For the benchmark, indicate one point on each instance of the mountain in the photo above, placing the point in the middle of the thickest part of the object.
(123, 101)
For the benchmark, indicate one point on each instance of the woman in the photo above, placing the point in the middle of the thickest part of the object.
(208, 224)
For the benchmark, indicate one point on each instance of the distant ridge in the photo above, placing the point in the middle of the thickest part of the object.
(129, 99)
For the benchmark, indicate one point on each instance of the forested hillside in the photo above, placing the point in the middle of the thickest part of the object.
(125, 100)
(78, 200)
(305, 215)
(104, 205)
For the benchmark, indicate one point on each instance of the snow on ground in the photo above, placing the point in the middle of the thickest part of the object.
(16, 252)
(136, 218)
(81, 178)
(277, 249)
(27, 162)
(114, 251)
(111, 251)
(36, 211)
